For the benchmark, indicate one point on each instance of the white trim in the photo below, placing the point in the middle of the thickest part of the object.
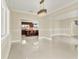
(64, 8)
(16, 41)
(7, 20)
(44, 37)
(69, 5)
(63, 35)
(7, 15)
(20, 11)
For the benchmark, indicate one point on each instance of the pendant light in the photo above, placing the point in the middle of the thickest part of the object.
(42, 11)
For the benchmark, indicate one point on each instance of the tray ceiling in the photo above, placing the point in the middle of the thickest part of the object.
(32, 6)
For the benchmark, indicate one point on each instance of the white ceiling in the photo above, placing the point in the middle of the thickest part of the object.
(32, 6)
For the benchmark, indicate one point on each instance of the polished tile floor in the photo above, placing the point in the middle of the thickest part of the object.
(43, 49)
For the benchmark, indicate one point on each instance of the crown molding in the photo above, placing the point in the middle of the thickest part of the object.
(25, 12)
(65, 9)
(21, 11)
(60, 10)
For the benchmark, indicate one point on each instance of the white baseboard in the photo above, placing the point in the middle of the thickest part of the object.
(62, 35)
(16, 41)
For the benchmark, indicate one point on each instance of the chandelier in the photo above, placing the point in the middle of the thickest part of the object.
(42, 11)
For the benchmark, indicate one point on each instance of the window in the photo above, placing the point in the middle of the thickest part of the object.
(4, 20)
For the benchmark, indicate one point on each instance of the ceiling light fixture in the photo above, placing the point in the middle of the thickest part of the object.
(42, 11)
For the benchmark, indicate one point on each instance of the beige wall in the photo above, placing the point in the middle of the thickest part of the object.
(62, 21)
(15, 22)
(57, 23)
(5, 39)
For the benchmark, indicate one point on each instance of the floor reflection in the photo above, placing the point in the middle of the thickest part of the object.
(43, 49)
